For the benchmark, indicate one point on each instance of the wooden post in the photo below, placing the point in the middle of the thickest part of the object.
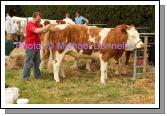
(134, 66)
(145, 54)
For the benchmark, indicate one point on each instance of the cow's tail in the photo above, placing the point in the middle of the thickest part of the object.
(51, 54)
(50, 61)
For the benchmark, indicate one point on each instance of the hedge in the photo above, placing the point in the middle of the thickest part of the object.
(112, 15)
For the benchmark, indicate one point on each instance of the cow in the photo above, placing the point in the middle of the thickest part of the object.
(46, 54)
(85, 41)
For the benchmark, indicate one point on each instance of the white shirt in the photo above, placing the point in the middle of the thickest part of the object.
(8, 17)
(15, 28)
(8, 25)
(69, 21)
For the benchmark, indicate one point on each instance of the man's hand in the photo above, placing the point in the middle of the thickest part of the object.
(42, 30)
(46, 29)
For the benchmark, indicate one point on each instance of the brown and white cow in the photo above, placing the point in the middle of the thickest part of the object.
(84, 40)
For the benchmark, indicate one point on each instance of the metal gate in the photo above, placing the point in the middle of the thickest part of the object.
(141, 66)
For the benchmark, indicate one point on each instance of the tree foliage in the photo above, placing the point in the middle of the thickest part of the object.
(112, 15)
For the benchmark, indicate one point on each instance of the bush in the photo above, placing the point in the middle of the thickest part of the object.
(138, 15)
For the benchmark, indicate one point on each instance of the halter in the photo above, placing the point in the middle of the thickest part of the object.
(137, 42)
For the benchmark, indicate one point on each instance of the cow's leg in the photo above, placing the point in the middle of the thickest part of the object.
(75, 64)
(50, 61)
(88, 62)
(103, 68)
(43, 64)
(44, 59)
(127, 56)
(124, 71)
(50, 66)
(56, 65)
(62, 74)
(117, 67)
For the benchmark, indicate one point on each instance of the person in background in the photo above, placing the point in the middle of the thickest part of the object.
(32, 46)
(15, 28)
(9, 46)
(8, 16)
(80, 19)
(8, 23)
(68, 20)
(15, 31)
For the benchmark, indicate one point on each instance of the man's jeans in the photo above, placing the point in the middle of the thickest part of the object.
(32, 59)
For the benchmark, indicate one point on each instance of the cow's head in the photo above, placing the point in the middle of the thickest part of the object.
(60, 22)
(133, 40)
(133, 37)
(46, 22)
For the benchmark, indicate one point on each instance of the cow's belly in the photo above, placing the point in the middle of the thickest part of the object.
(80, 55)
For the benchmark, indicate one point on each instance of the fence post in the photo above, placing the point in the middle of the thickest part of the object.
(145, 54)
(134, 66)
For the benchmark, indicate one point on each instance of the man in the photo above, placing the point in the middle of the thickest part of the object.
(32, 46)
(15, 27)
(68, 20)
(80, 19)
(15, 31)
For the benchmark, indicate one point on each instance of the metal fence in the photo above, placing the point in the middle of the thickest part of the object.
(141, 66)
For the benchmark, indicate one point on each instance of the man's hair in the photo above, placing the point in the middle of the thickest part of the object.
(78, 12)
(35, 14)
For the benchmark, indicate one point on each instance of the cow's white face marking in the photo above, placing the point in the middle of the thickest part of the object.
(61, 26)
(103, 33)
(134, 40)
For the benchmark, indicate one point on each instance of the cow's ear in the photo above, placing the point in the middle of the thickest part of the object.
(128, 27)
(46, 22)
(123, 27)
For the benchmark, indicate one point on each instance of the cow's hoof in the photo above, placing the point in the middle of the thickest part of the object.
(57, 81)
(88, 70)
(103, 81)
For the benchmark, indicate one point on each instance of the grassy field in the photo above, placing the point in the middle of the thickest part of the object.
(83, 87)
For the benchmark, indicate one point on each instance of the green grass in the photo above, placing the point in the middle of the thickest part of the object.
(81, 87)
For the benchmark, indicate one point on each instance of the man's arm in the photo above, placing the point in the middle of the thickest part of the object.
(41, 30)
(75, 20)
(33, 29)
(86, 20)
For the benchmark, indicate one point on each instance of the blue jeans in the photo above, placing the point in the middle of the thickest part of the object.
(32, 60)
